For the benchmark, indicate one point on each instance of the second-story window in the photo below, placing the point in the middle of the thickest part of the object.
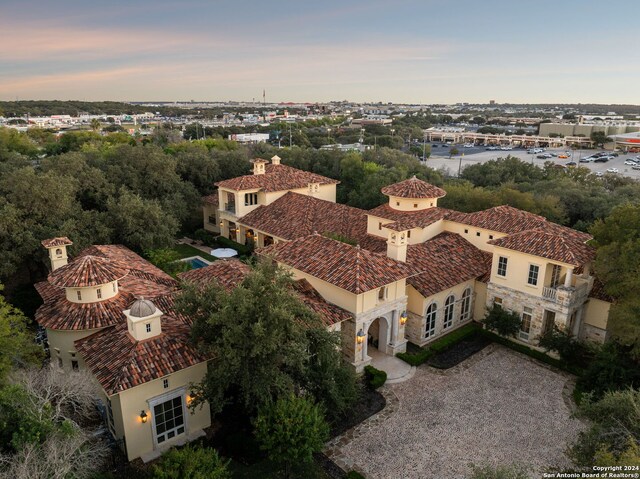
(532, 279)
(250, 199)
(79, 295)
(502, 266)
(148, 327)
(99, 293)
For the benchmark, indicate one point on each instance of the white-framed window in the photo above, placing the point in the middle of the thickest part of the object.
(430, 320)
(99, 293)
(148, 327)
(465, 305)
(165, 383)
(449, 305)
(502, 266)
(250, 199)
(534, 271)
(169, 419)
(525, 325)
(79, 295)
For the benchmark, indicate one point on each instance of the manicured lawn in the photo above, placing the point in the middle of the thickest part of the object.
(187, 251)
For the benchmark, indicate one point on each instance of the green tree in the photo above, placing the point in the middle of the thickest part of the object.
(502, 321)
(615, 424)
(617, 265)
(272, 348)
(599, 138)
(95, 124)
(453, 151)
(291, 430)
(140, 224)
(17, 348)
(191, 462)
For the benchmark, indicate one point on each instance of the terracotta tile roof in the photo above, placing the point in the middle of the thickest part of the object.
(375, 244)
(507, 219)
(348, 267)
(119, 362)
(59, 313)
(294, 215)
(598, 291)
(228, 273)
(329, 313)
(413, 188)
(212, 199)
(276, 178)
(137, 265)
(548, 244)
(445, 261)
(53, 242)
(143, 279)
(88, 271)
(409, 219)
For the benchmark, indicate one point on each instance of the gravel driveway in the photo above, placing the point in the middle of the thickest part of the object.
(496, 407)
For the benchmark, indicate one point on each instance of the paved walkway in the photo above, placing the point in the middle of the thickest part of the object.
(498, 407)
(397, 370)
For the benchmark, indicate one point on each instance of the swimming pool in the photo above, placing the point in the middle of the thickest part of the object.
(196, 262)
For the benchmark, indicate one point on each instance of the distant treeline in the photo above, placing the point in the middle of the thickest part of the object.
(56, 107)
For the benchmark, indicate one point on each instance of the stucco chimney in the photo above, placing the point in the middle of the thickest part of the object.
(397, 245)
(57, 251)
(259, 166)
(275, 160)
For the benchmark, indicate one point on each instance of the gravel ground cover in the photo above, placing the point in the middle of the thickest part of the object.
(497, 407)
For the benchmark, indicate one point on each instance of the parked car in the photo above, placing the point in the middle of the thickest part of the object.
(599, 173)
(601, 159)
(492, 148)
(563, 156)
(636, 167)
(506, 148)
(630, 162)
(468, 145)
(542, 157)
(572, 164)
(587, 160)
(613, 170)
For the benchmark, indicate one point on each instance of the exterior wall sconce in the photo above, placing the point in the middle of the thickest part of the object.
(221, 224)
(360, 337)
(143, 416)
(403, 318)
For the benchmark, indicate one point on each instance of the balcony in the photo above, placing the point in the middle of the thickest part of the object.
(550, 293)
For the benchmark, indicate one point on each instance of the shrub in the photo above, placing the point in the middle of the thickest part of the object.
(375, 377)
(205, 236)
(502, 321)
(566, 345)
(354, 475)
(291, 430)
(612, 368)
(439, 345)
(192, 462)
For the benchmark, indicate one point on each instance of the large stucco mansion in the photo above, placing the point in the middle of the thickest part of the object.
(407, 270)
(415, 271)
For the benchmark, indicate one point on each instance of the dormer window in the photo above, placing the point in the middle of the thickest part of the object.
(79, 295)
(148, 327)
(250, 199)
(59, 252)
(99, 293)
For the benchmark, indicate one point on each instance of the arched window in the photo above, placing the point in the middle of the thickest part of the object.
(465, 306)
(59, 252)
(449, 304)
(430, 320)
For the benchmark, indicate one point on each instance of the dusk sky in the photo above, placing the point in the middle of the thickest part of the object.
(419, 51)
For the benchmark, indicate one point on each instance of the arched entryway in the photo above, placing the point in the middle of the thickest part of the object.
(378, 334)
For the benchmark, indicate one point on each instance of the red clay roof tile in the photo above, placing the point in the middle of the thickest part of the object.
(88, 271)
(413, 188)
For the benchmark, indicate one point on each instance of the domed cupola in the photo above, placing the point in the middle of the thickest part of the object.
(89, 279)
(413, 195)
(143, 319)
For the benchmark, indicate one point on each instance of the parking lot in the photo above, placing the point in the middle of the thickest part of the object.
(468, 156)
